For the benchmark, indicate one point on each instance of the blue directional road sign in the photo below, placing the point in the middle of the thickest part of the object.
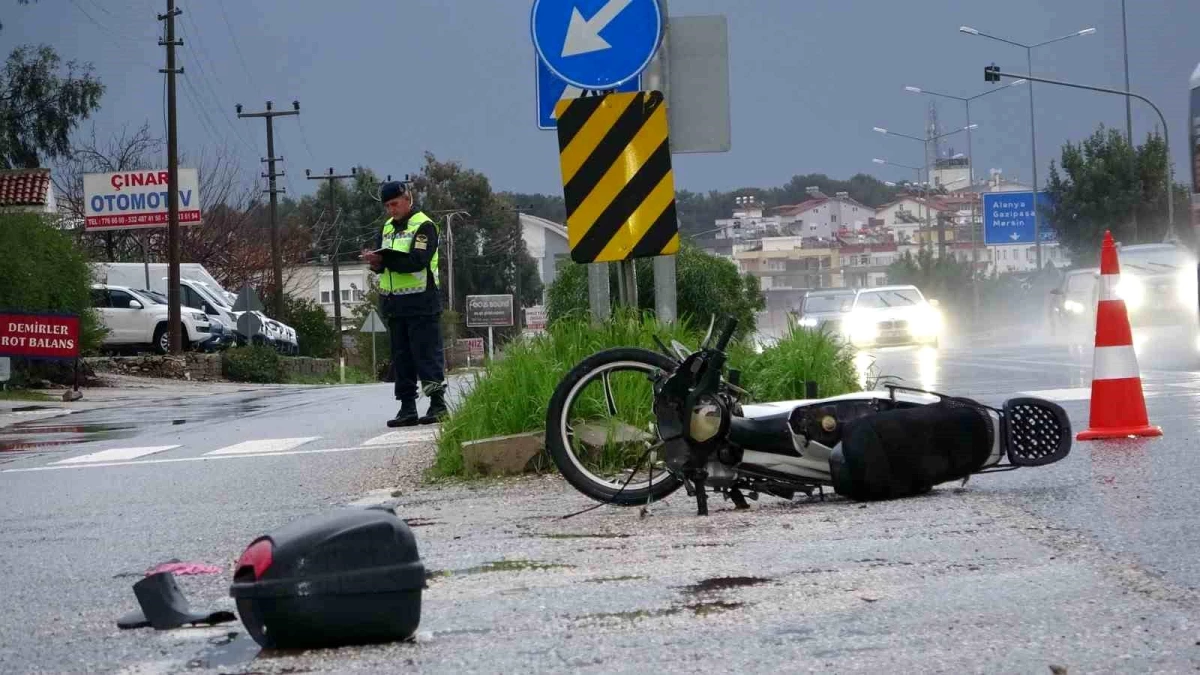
(550, 90)
(1008, 218)
(596, 44)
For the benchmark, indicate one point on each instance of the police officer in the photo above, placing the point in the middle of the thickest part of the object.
(407, 265)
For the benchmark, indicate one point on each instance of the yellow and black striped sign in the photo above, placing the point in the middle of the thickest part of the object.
(617, 180)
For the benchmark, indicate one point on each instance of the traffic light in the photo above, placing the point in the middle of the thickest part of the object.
(991, 73)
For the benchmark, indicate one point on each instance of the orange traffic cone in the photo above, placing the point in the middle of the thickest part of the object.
(1118, 403)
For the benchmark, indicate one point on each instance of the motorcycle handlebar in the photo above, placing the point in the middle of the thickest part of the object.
(723, 341)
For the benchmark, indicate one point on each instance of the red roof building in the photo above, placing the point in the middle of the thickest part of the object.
(27, 190)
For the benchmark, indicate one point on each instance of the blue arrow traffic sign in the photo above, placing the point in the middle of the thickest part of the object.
(551, 89)
(596, 44)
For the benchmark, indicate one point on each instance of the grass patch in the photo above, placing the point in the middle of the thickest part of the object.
(24, 395)
(802, 354)
(512, 394)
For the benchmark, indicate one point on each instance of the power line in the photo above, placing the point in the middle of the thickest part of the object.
(236, 47)
(304, 137)
(204, 76)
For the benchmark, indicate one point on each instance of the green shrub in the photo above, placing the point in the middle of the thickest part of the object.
(513, 393)
(252, 363)
(43, 271)
(707, 285)
(314, 329)
(779, 373)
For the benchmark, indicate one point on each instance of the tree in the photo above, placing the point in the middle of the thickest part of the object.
(124, 151)
(707, 285)
(945, 279)
(1102, 181)
(39, 108)
(488, 249)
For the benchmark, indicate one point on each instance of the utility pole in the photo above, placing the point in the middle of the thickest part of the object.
(270, 159)
(173, 306)
(337, 245)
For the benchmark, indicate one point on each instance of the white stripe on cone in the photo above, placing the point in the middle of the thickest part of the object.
(1115, 363)
(1108, 287)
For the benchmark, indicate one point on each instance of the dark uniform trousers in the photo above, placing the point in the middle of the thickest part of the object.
(416, 351)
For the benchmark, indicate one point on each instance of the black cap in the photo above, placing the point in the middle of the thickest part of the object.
(390, 190)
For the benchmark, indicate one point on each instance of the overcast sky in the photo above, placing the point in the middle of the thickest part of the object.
(382, 81)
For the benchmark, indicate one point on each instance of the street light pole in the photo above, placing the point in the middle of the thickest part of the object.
(970, 171)
(1161, 117)
(928, 175)
(450, 250)
(1128, 107)
(914, 169)
(1037, 236)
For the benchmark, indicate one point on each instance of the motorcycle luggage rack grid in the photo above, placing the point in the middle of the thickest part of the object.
(1036, 431)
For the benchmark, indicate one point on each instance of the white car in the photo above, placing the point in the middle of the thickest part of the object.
(133, 318)
(892, 315)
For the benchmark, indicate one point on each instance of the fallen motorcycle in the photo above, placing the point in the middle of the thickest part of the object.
(870, 445)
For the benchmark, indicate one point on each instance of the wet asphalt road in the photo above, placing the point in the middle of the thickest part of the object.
(76, 536)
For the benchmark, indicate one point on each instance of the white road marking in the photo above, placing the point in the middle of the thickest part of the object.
(417, 435)
(202, 458)
(116, 455)
(263, 446)
(1076, 394)
(1082, 394)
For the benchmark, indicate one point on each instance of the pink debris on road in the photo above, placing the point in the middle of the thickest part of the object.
(180, 568)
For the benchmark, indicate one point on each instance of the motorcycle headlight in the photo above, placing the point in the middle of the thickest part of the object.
(1132, 291)
(708, 418)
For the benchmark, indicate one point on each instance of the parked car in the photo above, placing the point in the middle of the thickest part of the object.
(891, 316)
(222, 336)
(134, 319)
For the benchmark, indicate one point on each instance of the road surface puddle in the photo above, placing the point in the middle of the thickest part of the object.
(236, 649)
(724, 583)
(34, 436)
(499, 566)
(700, 609)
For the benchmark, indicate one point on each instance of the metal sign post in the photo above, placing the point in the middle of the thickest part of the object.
(489, 311)
(373, 325)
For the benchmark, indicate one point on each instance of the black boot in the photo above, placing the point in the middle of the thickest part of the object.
(437, 409)
(407, 416)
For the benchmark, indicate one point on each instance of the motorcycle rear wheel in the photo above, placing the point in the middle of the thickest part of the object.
(560, 435)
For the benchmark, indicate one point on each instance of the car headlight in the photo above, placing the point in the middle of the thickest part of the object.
(1186, 285)
(1073, 307)
(861, 328)
(198, 316)
(808, 322)
(927, 323)
(1132, 291)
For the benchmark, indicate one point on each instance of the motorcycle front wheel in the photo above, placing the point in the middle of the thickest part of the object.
(600, 427)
